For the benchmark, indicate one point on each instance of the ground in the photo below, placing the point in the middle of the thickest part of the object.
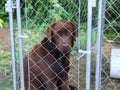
(5, 38)
(107, 82)
(5, 60)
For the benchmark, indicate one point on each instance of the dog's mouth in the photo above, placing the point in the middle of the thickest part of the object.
(64, 46)
(64, 49)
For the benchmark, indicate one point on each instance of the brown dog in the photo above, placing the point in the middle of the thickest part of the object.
(49, 61)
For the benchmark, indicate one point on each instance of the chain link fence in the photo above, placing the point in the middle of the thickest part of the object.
(37, 15)
(111, 40)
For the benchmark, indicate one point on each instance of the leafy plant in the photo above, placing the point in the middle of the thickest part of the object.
(112, 31)
(1, 23)
(3, 14)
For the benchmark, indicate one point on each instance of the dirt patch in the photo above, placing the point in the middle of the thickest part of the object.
(5, 38)
(107, 83)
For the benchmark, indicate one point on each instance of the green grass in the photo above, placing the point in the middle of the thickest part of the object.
(83, 39)
(6, 83)
(5, 70)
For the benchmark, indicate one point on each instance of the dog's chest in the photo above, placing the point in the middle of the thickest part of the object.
(62, 67)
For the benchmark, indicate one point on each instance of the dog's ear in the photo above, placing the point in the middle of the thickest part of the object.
(49, 31)
(75, 31)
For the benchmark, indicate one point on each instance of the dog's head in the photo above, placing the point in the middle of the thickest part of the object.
(63, 34)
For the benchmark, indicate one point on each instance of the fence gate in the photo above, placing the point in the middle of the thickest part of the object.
(87, 66)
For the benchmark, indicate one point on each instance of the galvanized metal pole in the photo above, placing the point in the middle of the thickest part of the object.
(20, 44)
(13, 51)
(79, 43)
(89, 34)
(101, 11)
(9, 9)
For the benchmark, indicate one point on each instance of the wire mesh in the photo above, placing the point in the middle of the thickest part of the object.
(41, 13)
(111, 41)
(37, 15)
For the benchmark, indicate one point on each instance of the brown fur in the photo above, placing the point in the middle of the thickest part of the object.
(49, 61)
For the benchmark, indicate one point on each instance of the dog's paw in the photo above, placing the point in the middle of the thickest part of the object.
(73, 87)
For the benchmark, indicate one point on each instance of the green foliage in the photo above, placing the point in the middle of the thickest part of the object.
(83, 38)
(113, 9)
(5, 59)
(3, 13)
(65, 9)
(5, 70)
(1, 23)
(6, 83)
(112, 31)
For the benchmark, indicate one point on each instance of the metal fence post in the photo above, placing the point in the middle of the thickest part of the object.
(20, 44)
(89, 33)
(79, 43)
(101, 11)
(9, 8)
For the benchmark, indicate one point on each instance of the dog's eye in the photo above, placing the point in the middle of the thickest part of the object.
(68, 32)
(59, 33)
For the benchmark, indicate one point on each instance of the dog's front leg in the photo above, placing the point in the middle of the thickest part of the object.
(65, 87)
(51, 85)
(65, 83)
